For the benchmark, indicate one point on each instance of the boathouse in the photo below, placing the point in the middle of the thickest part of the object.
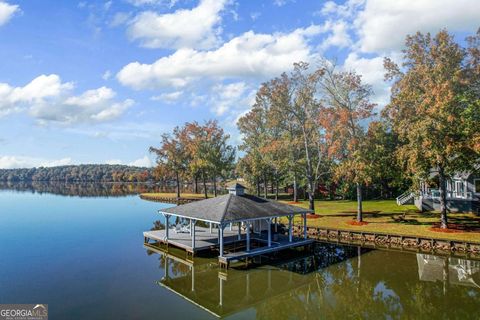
(237, 224)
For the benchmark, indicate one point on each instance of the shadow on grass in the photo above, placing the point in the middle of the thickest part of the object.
(463, 223)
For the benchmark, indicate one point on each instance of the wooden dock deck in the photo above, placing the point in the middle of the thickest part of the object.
(204, 240)
(276, 246)
(235, 248)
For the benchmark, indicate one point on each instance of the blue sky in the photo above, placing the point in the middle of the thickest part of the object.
(100, 81)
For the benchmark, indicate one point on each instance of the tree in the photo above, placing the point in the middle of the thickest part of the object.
(193, 137)
(253, 128)
(434, 107)
(302, 113)
(286, 144)
(380, 151)
(346, 104)
(172, 156)
(219, 154)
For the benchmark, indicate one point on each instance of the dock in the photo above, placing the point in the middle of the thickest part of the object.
(204, 239)
(238, 226)
(234, 245)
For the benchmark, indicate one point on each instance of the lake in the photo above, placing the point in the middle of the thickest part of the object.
(84, 257)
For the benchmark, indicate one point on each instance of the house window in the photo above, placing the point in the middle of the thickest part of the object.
(459, 189)
(477, 185)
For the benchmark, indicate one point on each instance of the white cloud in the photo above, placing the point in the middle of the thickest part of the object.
(47, 99)
(345, 10)
(372, 72)
(255, 15)
(248, 55)
(383, 25)
(106, 75)
(119, 19)
(338, 37)
(142, 162)
(139, 3)
(113, 161)
(14, 99)
(281, 3)
(168, 97)
(228, 96)
(194, 28)
(12, 162)
(7, 11)
(107, 5)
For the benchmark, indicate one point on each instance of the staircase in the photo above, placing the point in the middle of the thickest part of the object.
(405, 197)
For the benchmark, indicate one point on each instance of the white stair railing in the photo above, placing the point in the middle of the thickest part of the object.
(405, 197)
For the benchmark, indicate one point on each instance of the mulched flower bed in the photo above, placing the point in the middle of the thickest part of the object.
(452, 228)
(313, 216)
(294, 202)
(357, 223)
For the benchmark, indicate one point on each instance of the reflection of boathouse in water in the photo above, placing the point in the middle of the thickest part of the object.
(222, 292)
(448, 270)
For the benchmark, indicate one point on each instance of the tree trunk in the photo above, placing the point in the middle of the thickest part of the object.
(295, 188)
(258, 186)
(276, 186)
(305, 193)
(311, 196)
(215, 185)
(359, 203)
(272, 185)
(204, 185)
(443, 199)
(195, 184)
(178, 184)
(265, 185)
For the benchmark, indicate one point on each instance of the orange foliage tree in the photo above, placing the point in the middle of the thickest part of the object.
(434, 107)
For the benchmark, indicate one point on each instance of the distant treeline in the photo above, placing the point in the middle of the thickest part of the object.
(79, 173)
(80, 189)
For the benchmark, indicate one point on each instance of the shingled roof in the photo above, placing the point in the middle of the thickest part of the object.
(229, 208)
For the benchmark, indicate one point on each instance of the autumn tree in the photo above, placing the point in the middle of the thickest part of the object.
(172, 156)
(346, 102)
(219, 155)
(380, 146)
(303, 112)
(283, 132)
(286, 143)
(194, 138)
(253, 128)
(434, 107)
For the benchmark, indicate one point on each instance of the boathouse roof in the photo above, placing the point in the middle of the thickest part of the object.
(234, 207)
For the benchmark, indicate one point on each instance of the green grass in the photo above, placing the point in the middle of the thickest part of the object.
(174, 195)
(387, 216)
(381, 215)
(348, 207)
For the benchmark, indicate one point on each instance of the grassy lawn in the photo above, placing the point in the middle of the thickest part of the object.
(381, 215)
(387, 216)
(174, 195)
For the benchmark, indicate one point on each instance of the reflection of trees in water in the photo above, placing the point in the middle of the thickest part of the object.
(87, 189)
(335, 282)
(375, 285)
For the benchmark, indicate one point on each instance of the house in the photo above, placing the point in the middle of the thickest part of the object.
(463, 194)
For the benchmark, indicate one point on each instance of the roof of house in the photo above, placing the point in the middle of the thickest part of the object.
(236, 186)
(230, 208)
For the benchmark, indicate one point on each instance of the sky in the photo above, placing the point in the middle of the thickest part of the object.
(101, 81)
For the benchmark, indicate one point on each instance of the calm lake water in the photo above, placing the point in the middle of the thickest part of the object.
(84, 257)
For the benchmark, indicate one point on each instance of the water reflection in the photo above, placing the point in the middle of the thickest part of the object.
(83, 189)
(449, 270)
(331, 282)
